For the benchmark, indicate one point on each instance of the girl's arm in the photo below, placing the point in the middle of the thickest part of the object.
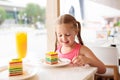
(87, 57)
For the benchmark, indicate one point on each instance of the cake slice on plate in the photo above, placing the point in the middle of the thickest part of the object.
(51, 58)
(15, 67)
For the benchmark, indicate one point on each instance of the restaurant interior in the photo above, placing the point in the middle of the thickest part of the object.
(100, 31)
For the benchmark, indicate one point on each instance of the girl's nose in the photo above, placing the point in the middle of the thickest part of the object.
(64, 38)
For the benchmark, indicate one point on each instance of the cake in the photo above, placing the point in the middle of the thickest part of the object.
(15, 67)
(51, 58)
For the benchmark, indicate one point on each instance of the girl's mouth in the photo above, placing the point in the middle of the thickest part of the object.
(66, 42)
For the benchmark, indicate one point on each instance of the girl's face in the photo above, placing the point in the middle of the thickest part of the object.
(66, 34)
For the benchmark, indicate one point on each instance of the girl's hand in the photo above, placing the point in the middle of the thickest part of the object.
(80, 60)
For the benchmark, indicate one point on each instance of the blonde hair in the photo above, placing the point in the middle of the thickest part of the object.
(69, 19)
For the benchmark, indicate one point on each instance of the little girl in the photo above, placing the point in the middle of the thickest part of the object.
(67, 28)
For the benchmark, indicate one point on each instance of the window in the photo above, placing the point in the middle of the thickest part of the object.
(91, 14)
(23, 15)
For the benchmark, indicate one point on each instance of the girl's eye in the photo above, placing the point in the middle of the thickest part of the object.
(59, 35)
(67, 34)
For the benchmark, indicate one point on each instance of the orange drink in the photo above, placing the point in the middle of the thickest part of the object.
(21, 44)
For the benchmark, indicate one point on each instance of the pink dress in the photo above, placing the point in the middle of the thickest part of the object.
(70, 55)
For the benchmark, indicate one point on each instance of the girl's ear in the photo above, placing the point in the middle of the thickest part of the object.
(76, 32)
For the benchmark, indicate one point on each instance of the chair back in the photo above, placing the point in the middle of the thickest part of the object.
(108, 55)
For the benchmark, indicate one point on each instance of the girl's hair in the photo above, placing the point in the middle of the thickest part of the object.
(69, 19)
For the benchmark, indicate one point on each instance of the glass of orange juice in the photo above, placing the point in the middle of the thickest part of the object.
(21, 44)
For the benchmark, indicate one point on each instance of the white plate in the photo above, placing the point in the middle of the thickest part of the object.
(61, 62)
(28, 71)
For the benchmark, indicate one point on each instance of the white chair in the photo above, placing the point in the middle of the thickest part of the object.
(109, 56)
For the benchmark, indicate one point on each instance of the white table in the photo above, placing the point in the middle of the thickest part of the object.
(68, 72)
(65, 73)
